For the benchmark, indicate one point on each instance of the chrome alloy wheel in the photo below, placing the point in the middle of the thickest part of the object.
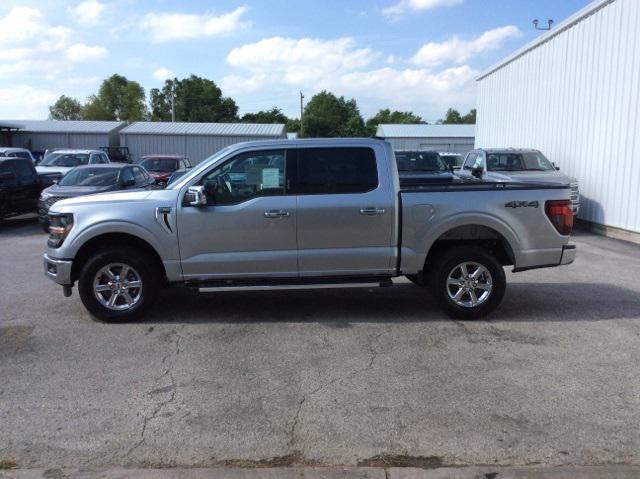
(117, 286)
(469, 284)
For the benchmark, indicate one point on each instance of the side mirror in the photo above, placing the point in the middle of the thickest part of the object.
(477, 171)
(196, 196)
(556, 167)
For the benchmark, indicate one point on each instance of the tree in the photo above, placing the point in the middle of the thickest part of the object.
(118, 99)
(293, 125)
(388, 116)
(66, 108)
(470, 118)
(329, 116)
(274, 115)
(453, 117)
(96, 109)
(196, 99)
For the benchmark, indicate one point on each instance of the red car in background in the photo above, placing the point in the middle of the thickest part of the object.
(161, 167)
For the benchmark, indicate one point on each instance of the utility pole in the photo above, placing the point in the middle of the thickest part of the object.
(301, 110)
(173, 103)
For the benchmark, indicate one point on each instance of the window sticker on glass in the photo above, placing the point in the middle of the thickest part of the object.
(270, 178)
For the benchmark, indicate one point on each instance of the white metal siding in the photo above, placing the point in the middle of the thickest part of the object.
(195, 147)
(452, 145)
(576, 97)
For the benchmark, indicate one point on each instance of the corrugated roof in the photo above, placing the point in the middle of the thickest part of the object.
(210, 129)
(69, 126)
(426, 131)
(10, 125)
(556, 30)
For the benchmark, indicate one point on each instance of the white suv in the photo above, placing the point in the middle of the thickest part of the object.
(61, 161)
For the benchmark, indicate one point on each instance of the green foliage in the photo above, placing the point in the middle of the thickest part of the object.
(196, 100)
(393, 117)
(453, 117)
(118, 99)
(293, 125)
(274, 115)
(66, 108)
(329, 116)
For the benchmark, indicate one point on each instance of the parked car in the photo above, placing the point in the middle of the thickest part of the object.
(161, 167)
(331, 214)
(452, 160)
(17, 153)
(421, 166)
(117, 154)
(522, 165)
(60, 162)
(20, 186)
(89, 180)
(175, 175)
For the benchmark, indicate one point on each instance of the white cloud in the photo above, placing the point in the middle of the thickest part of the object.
(162, 74)
(398, 10)
(295, 61)
(278, 66)
(24, 102)
(88, 12)
(31, 46)
(164, 27)
(79, 52)
(459, 51)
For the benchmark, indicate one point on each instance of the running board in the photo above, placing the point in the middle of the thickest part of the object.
(311, 283)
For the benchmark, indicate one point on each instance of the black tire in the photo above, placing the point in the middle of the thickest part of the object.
(445, 265)
(414, 278)
(141, 264)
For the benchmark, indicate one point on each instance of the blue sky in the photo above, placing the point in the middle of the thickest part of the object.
(419, 55)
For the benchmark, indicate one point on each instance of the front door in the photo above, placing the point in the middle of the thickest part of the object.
(248, 227)
(345, 213)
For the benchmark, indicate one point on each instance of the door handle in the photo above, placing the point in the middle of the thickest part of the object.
(276, 214)
(372, 211)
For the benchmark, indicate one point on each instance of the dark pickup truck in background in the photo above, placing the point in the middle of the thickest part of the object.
(20, 186)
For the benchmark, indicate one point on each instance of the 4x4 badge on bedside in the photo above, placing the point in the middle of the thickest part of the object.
(522, 204)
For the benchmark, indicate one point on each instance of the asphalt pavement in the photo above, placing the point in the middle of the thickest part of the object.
(366, 379)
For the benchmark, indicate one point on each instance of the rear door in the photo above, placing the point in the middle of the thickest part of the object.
(345, 222)
(9, 188)
(26, 199)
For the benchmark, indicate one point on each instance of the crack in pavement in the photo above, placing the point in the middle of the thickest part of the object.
(374, 355)
(175, 337)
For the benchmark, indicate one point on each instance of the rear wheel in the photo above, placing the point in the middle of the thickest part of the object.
(469, 282)
(118, 284)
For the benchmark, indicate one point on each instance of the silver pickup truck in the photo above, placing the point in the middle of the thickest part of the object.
(305, 214)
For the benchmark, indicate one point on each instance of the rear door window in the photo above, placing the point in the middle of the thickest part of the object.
(336, 171)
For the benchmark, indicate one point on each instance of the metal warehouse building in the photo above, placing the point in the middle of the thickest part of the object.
(574, 94)
(443, 138)
(46, 134)
(197, 141)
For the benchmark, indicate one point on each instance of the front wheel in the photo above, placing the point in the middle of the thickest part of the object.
(118, 284)
(469, 282)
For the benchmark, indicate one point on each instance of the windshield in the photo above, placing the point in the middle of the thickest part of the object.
(530, 161)
(160, 164)
(90, 177)
(66, 159)
(419, 161)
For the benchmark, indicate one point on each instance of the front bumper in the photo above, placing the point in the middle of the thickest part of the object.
(58, 270)
(568, 254)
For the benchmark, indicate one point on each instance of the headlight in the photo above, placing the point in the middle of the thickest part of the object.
(59, 226)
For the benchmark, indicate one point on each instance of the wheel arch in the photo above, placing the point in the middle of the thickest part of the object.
(104, 240)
